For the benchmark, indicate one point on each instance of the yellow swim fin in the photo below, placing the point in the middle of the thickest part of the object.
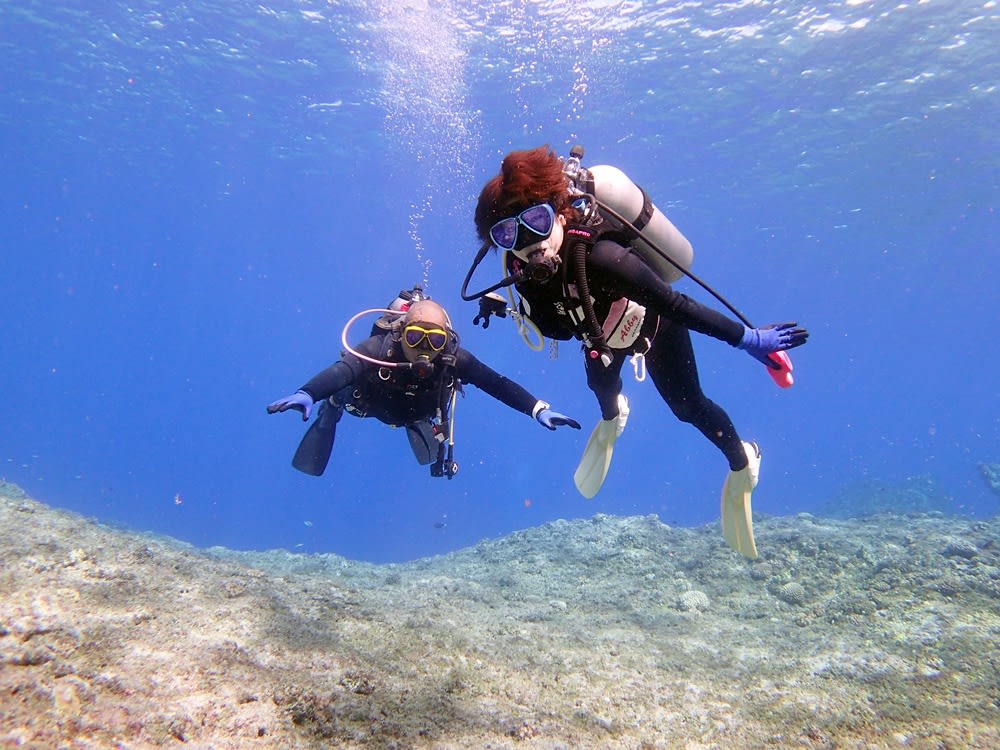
(589, 475)
(737, 516)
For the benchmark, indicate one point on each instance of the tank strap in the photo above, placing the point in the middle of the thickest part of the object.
(647, 211)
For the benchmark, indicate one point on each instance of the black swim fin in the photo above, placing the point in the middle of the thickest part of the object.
(313, 452)
(423, 442)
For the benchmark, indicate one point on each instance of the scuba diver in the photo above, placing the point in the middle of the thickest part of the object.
(406, 374)
(584, 271)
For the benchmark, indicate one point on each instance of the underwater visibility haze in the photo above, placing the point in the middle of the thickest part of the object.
(195, 197)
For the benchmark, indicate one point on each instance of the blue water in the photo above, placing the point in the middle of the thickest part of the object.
(194, 198)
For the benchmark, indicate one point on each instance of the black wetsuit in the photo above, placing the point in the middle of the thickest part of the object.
(396, 396)
(614, 272)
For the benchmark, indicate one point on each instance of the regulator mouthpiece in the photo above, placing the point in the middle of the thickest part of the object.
(423, 368)
(541, 271)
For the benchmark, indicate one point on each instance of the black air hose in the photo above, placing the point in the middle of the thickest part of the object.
(578, 258)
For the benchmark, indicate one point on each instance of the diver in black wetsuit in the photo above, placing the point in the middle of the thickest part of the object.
(408, 377)
(607, 296)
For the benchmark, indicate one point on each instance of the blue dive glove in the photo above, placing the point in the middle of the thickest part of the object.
(553, 419)
(300, 401)
(777, 337)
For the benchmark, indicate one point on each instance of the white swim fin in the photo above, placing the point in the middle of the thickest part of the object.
(737, 515)
(589, 475)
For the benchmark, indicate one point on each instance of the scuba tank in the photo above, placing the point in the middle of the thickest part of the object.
(395, 309)
(626, 206)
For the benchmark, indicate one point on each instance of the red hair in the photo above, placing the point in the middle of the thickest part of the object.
(526, 178)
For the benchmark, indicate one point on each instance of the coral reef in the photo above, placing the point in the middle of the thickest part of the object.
(608, 632)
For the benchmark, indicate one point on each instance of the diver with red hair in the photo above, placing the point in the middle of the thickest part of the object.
(580, 276)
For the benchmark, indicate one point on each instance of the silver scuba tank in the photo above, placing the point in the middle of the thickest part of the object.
(622, 201)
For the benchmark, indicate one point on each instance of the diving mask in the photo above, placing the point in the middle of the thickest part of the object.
(415, 335)
(538, 220)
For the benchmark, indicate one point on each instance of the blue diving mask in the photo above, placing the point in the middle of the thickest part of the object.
(538, 220)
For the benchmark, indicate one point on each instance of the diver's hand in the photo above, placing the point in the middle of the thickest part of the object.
(777, 337)
(490, 304)
(299, 401)
(552, 419)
